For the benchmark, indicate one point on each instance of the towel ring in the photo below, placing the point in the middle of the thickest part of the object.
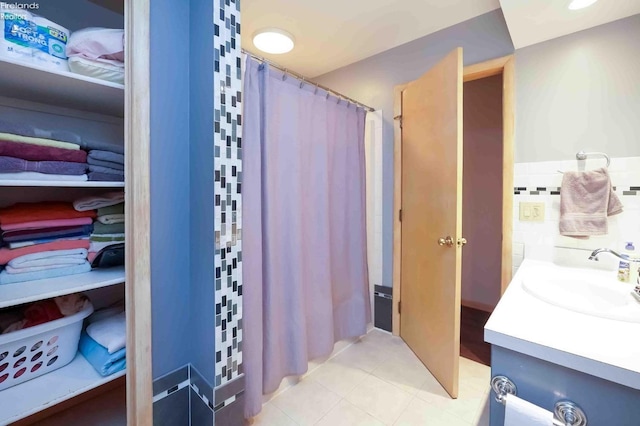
(581, 156)
(503, 386)
(569, 414)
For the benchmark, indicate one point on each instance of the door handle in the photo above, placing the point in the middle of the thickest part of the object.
(462, 242)
(446, 241)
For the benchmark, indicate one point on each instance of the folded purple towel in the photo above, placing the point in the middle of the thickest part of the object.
(105, 177)
(35, 234)
(15, 165)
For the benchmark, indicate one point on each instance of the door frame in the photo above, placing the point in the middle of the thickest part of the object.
(506, 66)
(137, 138)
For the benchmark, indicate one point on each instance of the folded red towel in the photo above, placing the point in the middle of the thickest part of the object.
(48, 210)
(8, 254)
(41, 153)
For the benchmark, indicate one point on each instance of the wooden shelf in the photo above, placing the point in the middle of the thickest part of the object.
(60, 88)
(31, 397)
(30, 291)
(61, 183)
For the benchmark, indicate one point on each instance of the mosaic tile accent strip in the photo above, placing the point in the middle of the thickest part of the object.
(555, 190)
(228, 189)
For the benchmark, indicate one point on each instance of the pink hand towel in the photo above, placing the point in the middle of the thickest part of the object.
(7, 255)
(586, 199)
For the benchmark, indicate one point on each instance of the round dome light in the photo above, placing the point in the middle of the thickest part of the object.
(581, 4)
(273, 40)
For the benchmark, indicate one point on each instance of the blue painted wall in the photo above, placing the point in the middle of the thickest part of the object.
(170, 187)
(372, 80)
(201, 188)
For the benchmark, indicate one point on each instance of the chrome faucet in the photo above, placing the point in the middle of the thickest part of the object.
(596, 252)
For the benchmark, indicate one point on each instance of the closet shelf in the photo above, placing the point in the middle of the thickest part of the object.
(30, 397)
(60, 88)
(30, 291)
(61, 183)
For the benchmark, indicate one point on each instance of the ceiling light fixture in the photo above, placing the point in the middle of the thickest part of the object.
(273, 40)
(581, 4)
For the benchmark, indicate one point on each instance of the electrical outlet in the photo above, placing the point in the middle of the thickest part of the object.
(531, 212)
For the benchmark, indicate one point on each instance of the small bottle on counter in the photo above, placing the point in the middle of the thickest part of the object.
(625, 267)
(634, 267)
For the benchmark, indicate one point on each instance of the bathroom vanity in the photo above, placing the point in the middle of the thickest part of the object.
(562, 333)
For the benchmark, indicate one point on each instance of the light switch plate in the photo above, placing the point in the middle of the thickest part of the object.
(531, 212)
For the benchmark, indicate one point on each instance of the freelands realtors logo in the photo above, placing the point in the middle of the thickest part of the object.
(19, 6)
(11, 11)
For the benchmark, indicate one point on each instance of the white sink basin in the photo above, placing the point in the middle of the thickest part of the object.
(611, 299)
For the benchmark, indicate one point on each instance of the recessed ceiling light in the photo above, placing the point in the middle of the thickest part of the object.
(273, 40)
(581, 4)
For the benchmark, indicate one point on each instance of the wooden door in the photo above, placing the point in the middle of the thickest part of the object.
(431, 211)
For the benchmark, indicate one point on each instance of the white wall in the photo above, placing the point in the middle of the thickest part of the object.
(580, 92)
(573, 93)
(541, 240)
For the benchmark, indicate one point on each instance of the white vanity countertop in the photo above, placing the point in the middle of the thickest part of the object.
(601, 347)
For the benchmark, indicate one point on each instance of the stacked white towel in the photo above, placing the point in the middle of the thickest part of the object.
(110, 332)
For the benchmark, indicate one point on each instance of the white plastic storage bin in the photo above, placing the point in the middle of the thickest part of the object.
(34, 351)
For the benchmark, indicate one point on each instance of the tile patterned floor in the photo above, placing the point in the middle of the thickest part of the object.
(378, 381)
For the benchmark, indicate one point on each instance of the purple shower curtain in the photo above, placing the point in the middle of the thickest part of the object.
(305, 283)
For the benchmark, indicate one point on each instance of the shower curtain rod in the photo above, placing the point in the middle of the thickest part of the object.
(304, 80)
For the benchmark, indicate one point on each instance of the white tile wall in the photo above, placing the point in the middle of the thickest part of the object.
(543, 240)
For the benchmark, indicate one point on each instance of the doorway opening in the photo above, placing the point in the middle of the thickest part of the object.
(481, 212)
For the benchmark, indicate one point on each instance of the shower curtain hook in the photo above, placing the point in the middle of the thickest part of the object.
(284, 75)
(315, 92)
(338, 100)
(327, 95)
(302, 82)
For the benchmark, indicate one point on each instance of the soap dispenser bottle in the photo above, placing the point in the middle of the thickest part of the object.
(628, 270)
(624, 266)
(630, 252)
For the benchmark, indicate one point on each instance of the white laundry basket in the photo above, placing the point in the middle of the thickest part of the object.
(34, 351)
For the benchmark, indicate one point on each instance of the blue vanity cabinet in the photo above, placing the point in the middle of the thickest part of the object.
(543, 383)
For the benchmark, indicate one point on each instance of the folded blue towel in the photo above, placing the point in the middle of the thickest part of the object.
(7, 278)
(28, 130)
(107, 156)
(98, 356)
(89, 145)
(102, 163)
(35, 234)
(109, 177)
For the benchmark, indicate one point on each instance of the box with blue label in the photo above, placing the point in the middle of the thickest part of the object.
(29, 38)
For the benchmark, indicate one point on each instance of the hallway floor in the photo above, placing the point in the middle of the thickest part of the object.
(472, 344)
(379, 381)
